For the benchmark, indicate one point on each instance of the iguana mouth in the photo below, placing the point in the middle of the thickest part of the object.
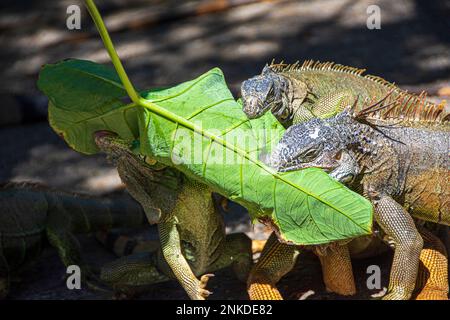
(327, 169)
(253, 108)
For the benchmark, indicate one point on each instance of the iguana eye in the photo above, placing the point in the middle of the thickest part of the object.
(310, 154)
(285, 114)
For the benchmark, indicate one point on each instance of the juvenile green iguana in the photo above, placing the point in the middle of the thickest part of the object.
(296, 94)
(191, 231)
(31, 214)
(401, 164)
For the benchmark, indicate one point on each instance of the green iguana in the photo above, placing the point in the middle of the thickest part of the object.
(192, 232)
(296, 94)
(31, 214)
(400, 163)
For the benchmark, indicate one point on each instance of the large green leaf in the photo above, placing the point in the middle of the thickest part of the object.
(307, 206)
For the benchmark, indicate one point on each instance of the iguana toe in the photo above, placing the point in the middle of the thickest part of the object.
(204, 280)
(201, 292)
(204, 293)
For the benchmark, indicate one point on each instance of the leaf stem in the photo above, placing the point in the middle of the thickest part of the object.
(93, 11)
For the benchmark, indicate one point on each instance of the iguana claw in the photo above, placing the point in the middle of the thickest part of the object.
(202, 292)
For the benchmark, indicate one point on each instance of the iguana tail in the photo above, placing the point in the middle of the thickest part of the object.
(88, 214)
(122, 245)
(77, 212)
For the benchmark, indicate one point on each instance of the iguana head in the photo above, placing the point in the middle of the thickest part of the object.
(116, 147)
(109, 143)
(273, 90)
(324, 144)
(265, 92)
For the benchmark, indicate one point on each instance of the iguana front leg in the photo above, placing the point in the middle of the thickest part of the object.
(171, 248)
(337, 270)
(324, 107)
(399, 225)
(275, 261)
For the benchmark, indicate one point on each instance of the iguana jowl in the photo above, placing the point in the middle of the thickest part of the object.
(296, 93)
(31, 213)
(400, 165)
(192, 232)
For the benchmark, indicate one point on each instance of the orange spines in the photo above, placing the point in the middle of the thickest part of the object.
(401, 106)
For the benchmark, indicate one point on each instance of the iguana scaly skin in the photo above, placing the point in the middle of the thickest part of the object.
(191, 231)
(394, 161)
(295, 94)
(31, 213)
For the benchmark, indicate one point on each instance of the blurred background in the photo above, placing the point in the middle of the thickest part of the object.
(166, 42)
